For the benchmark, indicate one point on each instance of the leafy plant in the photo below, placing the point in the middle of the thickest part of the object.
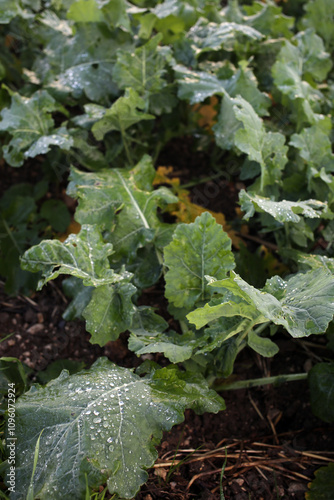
(98, 89)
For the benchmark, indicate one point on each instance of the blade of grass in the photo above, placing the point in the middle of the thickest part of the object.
(30, 494)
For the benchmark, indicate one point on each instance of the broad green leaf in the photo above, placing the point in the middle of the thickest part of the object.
(222, 333)
(321, 382)
(282, 211)
(244, 83)
(240, 125)
(316, 61)
(116, 13)
(198, 85)
(320, 16)
(109, 312)
(10, 9)
(142, 70)
(85, 11)
(288, 74)
(84, 255)
(123, 114)
(262, 345)
(227, 125)
(315, 148)
(167, 8)
(303, 304)
(207, 36)
(146, 321)
(197, 249)
(93, 113)
(311, 261)
(175, 347)
(101, 425)
(147, 337)
(123, 202)
(203, 315)
(322, 487)
(87, 154)
(268, 19)
(266, 148)
(31, 126)
(80, 295)
(81, 63)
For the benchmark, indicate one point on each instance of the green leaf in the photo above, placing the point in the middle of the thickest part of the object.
(57, 214)
(244, 83)
(268, 19)
(14, 372)
(8, 10)
(123, 202)
(116, 13)
(81, 63)
(266, 148)
(262, 345)
(315, 148)
(101, 424)
(141, 70)
(172, 345)
(282, 211)
(196, 86)
(147, 337)
(322, 487)
(226, 309)
(88, 155)
(123, 114)
(20, 227)
(311, 261)
(12, 8)
(85, 11)
(109, 312)
(206, 36)
(320, 16)
(29, 122)
(303, 304)
(197, 249)
(84, 255)
(241, 126)
(227, 125)
(316, 61)
(80, 295)
(290, 72)
(56, 367)
(321, 382)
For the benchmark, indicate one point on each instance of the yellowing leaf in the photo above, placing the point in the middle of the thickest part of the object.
(73, 228)
(207, 113)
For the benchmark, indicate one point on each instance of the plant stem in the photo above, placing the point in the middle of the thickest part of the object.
(126, 147)
(247, 384)
(202, 181)
(250, 327)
